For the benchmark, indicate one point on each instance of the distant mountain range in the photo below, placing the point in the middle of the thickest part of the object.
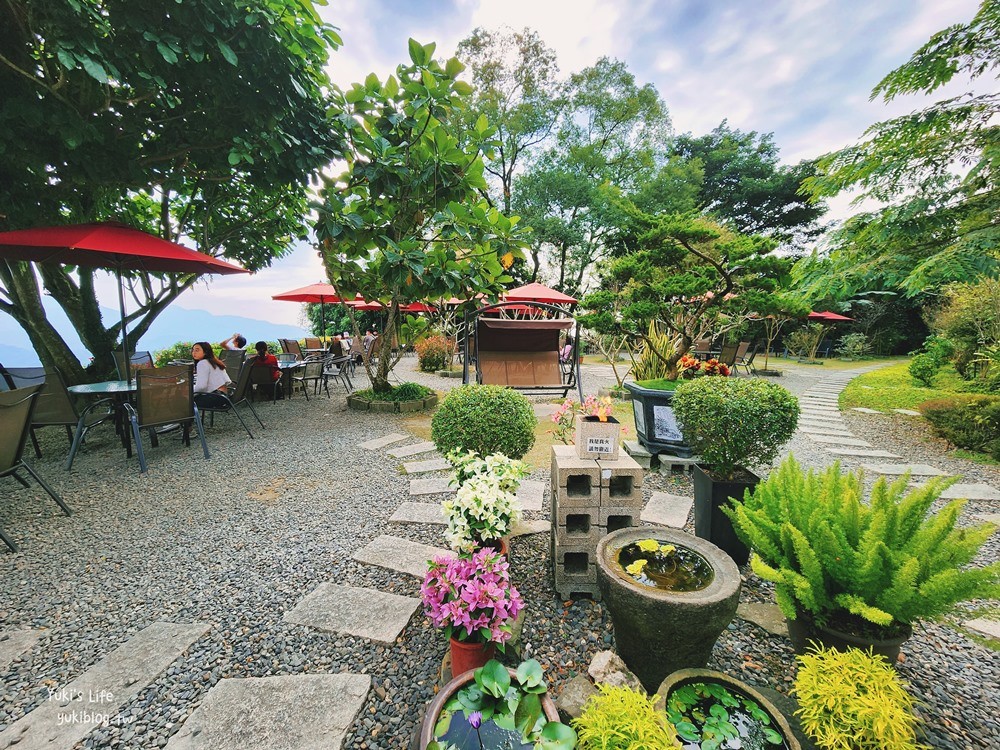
(173, 325)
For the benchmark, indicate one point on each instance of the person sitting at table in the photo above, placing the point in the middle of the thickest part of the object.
(210, 377)
(234, 343)
(266, 359)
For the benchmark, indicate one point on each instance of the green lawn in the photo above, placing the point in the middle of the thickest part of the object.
(893, 388)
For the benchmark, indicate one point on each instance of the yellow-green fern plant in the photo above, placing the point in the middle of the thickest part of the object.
(853, 700)
(620, 718)
(889, 561)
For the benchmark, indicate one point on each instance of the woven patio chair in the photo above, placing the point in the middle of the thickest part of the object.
(239, 395)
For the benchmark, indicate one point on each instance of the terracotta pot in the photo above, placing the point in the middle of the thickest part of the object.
(467, 655)
(448, 692)
(803, 629)
(710, 522)
(499, 545)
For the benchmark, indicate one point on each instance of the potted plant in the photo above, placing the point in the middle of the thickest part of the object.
(669, 595)
(854, 573)
(590, 426)
(732, 424)
(620, 717)
(474, 601)
(713, 711)
(493, 707)
(870, 709)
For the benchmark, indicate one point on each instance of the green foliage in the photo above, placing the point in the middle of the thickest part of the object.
(892, 387)
(853, 346)
(654, 359)
(700, 711)
(889, 561)
(402, 392)
(969, 318)
(971, 422)
(735, 422)
(180, 350)
(620, 718)
(923, 368)
(434, 353)
(486, 419)
(805, 341)
(853, 699)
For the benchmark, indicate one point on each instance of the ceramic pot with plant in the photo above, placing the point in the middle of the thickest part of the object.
(713, 710)
(669, 595)
(493, 707)
(847, 572)
(733, 424)
(473, 600)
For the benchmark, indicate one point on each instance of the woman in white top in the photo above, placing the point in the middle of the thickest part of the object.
(210, 377)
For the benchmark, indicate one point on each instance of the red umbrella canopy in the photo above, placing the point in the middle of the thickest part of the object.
(536, 292)
(321, 293)
(359, 303)
(416, 307)
(108, 245)
(827, 316)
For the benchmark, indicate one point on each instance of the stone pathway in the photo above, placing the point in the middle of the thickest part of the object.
(899, 469)
(422, 467)
(399, 554)
(429, 487)
(382, 442)
(14, 643)
(665, 509)
(431, 513)
(412, 450)
(375, 615)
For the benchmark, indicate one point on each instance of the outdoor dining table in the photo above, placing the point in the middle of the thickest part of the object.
(120, 391)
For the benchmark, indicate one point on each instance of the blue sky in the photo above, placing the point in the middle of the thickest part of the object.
(802, 70)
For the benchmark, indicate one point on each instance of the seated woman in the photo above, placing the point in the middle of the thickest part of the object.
(210, 377)
(566, 353)
(266, 359)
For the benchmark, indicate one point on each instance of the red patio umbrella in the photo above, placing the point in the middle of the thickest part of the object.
(359, 303)
(416, 307)
(321, 293)
(536, 292)
(111, 245)
(828, 317)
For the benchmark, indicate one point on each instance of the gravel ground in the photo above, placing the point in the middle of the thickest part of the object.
(237, 541)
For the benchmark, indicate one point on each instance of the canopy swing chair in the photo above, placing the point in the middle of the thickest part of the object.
(522, 354)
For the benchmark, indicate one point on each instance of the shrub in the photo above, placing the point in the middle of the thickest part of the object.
(620, 718)
(971, 422)
(434, 353)
(732, 422)
(853, 699)
(889, 560)
(804, 341)
(649, 366)
(485, 419)
(924, 367)
(403, 392)
(853, 346)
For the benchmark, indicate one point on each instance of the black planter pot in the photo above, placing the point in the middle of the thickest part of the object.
(710, 522)
(655, 423)
(802, 630)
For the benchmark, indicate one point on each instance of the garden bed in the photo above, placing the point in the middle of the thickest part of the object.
(407, 397)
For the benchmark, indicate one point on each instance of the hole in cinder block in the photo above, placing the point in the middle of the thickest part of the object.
(619, 522)
(578, 485)
(620, 486)
(581, 595)
(578, 523)
(576, 562)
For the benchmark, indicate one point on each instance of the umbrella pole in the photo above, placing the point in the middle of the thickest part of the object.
(322, 319)
(121, 308)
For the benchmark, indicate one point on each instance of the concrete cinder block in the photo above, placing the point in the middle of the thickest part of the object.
(614, 517)
(569, 591)
(621, 493)
(625, 465)
(572, 574)
(565, 497)
(639, 453)
(580, 477)
(578, 527)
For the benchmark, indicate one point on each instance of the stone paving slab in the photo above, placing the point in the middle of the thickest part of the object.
(828, 424)
(989, 518)
(379, 443)
(525, 528)
(807, 415)
(970, 492)
(13, 643)
(429, 487)
(766, 616)
(395, 553)
(989, 628)
(419, 513)
(73, 711)
(666, 509)
(834, 440)
(865, 410)
(531, 494)
(291, 712)
(923, 470)
(861, 453)
(907, 412)
(808, 408)
(367, 613)
(809, 430)
(422, 467)
(544, 410)
(411, 450)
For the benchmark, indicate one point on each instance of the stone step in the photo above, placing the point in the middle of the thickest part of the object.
(367, 613)
(431, 513)
(993, 518)
(907, 412)
(399, 554)
(826, 424)
(526, 528)
(923, 470)
(865, 410)
(429, 487)
(531, 494)
(763, 615)
(411, 450)
(665, 509)
(808, 430)
(861, 453)
(60, 722)
(380, 443)
(13, 643)
(834, 440)
(422, 467)
(290, 712)
(970, 492)
(982, 626)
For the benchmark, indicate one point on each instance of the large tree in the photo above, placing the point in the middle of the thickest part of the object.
(200, 120)
(934, 173)
(404, 222)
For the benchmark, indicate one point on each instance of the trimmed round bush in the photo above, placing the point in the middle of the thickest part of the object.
(735, 422)
(485, 419)
(433, 353)
(923, 368)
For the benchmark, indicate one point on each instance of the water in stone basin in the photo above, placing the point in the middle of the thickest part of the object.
(462, 735)
(681, 569)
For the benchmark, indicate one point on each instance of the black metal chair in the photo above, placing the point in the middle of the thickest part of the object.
(728, 355)
(262, 380)
(335, 368)
(746, 362)
(233, 358)
(240, 395)
(16, 408)
(164, 395)
(311, 373)
(137, 361)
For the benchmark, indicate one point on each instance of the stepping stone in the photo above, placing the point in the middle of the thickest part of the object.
(399, 554)
(923, 470)
(864, 410)
(429, 486)
(968, 492)
(544, 410)
(808, 416)
(526, 528)
(638, 453)
(380, 443)
(111, 683)
(13, 643)
(422, 467)
(989, 628)
(291, 712)
(367, 613)
(665, 509)
(833, 431)
(858, 453)
(419, 513)
(531, 494)
(907, 412)
(412, 450)
(835, 440)
(766, 616)
(830, 424)
(818, 409)
(815, 401)
(989, 518)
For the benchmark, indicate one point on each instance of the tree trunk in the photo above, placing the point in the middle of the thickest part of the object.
(386, 361)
